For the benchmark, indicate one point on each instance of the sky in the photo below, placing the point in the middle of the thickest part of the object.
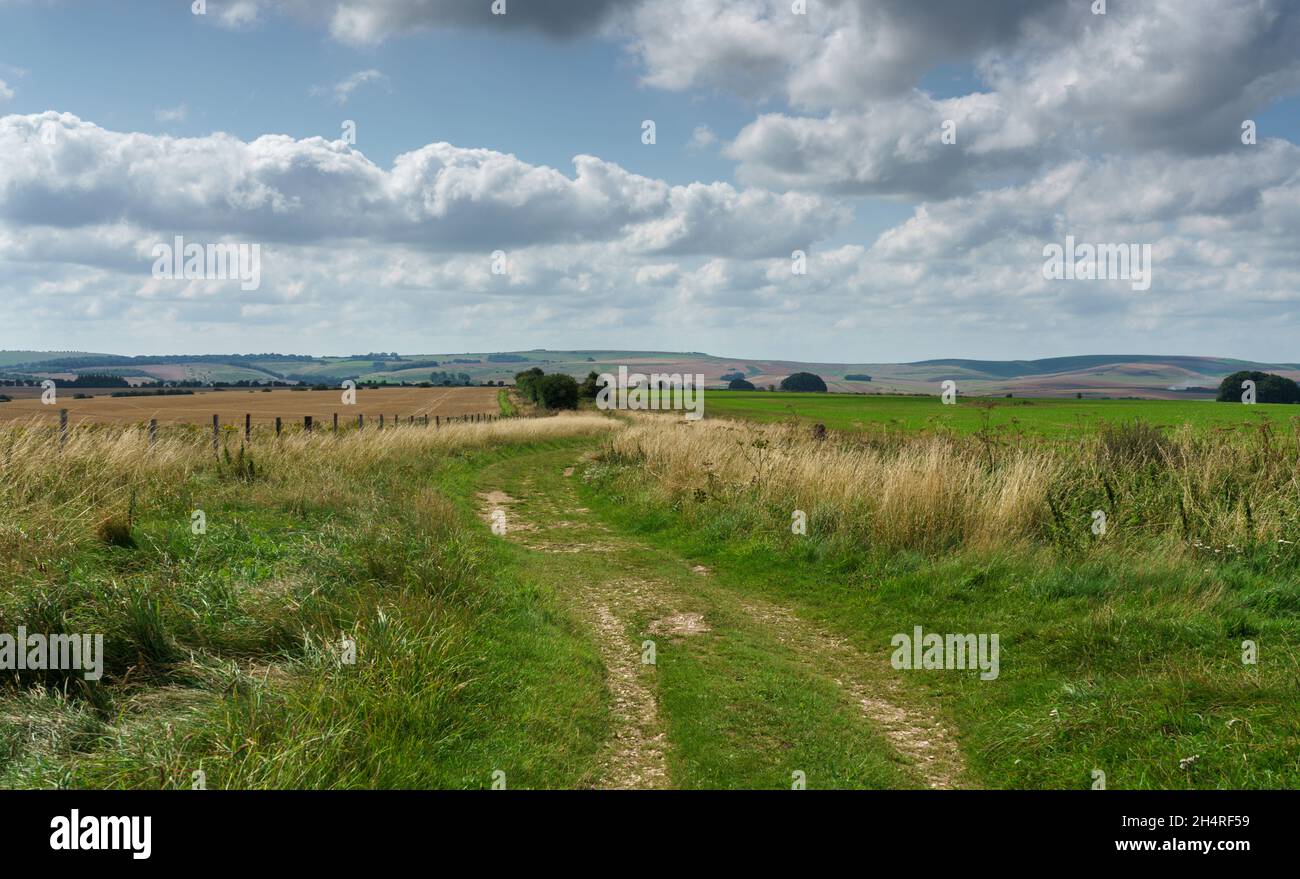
(828, 181)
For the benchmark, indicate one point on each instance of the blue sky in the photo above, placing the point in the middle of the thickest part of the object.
(822, 135)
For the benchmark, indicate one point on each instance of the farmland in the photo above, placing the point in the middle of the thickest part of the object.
(518, 649)
(263, 406)
(1058, 418)
(1094, 376)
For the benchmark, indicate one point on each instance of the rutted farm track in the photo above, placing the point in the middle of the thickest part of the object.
(741, 692)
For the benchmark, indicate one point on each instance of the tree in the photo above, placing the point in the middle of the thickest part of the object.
(557, 391)
(732, 376)
(739, 384)
(527, 380)
(590, 386)
(803, 381)
(1269, 388)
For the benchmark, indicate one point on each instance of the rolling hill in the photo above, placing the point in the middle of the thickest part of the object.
(1092, 376)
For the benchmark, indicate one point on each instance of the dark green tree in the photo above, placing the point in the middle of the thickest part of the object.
(803, 381)
(1269, 388)
(557, 391)
(739, 384)
(590, 386)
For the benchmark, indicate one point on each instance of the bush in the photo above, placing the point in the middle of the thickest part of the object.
(590, 386)
(527, 383)
(803, 381)
(736, 375)
(857, 377)
(557, 391)
(1269, 388)
(739, 384)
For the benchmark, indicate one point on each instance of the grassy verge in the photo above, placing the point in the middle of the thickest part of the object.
(227, 652)
(1124, 657)
(508, 408)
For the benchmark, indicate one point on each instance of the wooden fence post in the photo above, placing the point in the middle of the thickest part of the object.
(63, 427)
(216, 434)
(248, 427)
(277, 425)
(336, 422)
(437, 421)
(361, 421)
(381, 421)
(153, 431)
(306, 423)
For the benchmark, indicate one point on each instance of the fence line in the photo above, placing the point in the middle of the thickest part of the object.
(309, 424)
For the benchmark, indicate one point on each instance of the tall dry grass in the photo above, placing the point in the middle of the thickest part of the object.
(54, 498)
(928, 491)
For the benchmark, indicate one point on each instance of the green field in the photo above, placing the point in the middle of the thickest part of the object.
(1037, 417)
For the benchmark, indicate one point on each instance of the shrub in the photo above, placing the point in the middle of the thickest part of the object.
(557, 391)
(739, 384)
(857, 377)
(803, 381)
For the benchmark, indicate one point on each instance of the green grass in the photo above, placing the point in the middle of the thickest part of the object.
(1109, 660)
(508, 408)
(1055, 418)
(224, 649)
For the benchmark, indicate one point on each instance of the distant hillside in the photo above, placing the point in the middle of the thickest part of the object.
(1093, 375)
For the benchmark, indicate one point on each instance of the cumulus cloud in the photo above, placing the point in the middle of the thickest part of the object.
(439, 197)
(1175, 76)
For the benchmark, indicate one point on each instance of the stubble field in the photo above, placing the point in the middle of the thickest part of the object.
(264, 406)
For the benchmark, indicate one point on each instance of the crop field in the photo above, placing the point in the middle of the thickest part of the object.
(264, 406)
(1059, 418)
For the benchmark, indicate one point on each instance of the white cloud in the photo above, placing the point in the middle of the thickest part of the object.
(237, 14)
(701, 138)
(343, 90)
(437, 198)
(178, 113)
(6, 93)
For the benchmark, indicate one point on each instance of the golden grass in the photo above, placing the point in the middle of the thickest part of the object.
(928, 491)
(51, 499)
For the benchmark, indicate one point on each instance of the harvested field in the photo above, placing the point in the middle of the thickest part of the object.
(264, 406)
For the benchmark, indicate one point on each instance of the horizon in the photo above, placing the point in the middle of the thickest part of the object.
(618, 350)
